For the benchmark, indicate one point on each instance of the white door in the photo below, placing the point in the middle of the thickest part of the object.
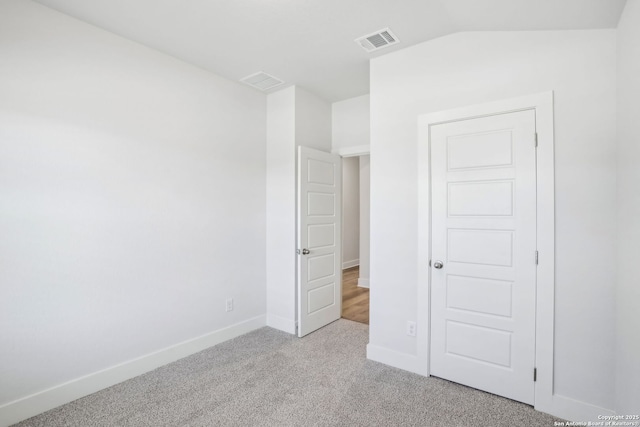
(483, 274)
(319, 251)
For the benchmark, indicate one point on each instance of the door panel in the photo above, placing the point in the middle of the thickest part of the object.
(484, 232)
(479, 343)
(485, 198)
(480, 150)
(319, 210)
(321, 204)
(320, 235)
(487, 247)
(485, 296)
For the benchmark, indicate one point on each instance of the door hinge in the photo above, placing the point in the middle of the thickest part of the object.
(535, 374)
(535, 139)
(536, 257)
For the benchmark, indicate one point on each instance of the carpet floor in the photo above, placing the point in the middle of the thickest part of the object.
(270, 378)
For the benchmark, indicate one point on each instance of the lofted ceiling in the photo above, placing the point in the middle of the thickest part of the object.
(310, 43)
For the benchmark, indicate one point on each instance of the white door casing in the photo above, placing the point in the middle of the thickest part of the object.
(483, 298)
(546, 399)
(319, 241)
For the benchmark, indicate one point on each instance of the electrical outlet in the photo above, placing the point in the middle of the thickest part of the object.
(411, 328)
(229, 304)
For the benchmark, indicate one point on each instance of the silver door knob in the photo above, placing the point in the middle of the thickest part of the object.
(306, 251)
(438, 264)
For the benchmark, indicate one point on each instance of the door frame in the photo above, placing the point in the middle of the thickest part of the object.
(356, 151)
(542, 105)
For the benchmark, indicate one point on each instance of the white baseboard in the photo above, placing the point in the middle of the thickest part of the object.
(349, 264)
(281, 323)
(363, 283)
(573, 410)
(37, 403)
(408, 362)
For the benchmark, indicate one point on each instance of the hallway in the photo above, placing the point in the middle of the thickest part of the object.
(355, 300)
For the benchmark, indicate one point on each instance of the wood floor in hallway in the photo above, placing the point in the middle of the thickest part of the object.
(355, 300)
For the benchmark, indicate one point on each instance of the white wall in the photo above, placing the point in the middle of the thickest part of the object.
(472, 68)
(294, 117)
(365, 195)
(131, 187)
(350, 119)
(312, 121)
(628, 289)
(281, 212)
(350, 212)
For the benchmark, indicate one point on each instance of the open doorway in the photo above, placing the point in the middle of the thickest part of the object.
(355, 238)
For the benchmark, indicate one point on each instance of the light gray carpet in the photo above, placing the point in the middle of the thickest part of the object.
(269, 378)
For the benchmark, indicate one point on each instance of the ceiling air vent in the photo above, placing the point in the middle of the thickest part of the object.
(262, 81)
(378, 40)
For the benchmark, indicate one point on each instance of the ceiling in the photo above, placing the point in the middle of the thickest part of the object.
(310, 43)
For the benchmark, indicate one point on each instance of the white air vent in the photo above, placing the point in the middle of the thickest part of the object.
(262, 81)
(378, 40)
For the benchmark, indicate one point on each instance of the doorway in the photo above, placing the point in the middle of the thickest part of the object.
(355, 238)
(320, 242)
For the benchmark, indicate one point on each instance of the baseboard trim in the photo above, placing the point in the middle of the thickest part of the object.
(37, 403)
(281, 323)
(363, 283)
(573, 410)
(349, 264)
(407, 362)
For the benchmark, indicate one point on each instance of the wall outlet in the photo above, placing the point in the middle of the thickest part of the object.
(411, 328)
(229, 305)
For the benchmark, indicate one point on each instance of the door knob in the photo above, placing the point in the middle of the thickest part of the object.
(306, 251)
(438, 264)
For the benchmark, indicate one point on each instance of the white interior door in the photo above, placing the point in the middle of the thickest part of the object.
(319, 251)
(483, 275)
